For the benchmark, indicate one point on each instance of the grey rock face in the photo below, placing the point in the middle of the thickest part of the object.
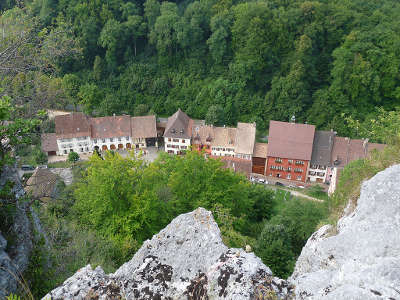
(13, 263)
(186, 260)
(363, 260)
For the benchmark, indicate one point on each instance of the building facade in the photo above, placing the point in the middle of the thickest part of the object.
(289, 150)
(321, 158)
(81, 134)
(285, 168)
(178, 132)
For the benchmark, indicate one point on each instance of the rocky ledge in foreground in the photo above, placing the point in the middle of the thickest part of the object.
(363, 260)
(186, 260)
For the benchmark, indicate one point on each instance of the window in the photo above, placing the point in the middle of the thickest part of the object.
(298, 177)
(95, 141)
(270, 174)
(127, 138)
(183, 147)
(290, 161)
(169, 139)
(81, 149)
(175, 140)
(289, 176)
(65, 151)
(111, 140)
(278, 160)
(289, 169)
(298, 170)
(103, 140)
(183, 141)
(299, 162)
(119, 139)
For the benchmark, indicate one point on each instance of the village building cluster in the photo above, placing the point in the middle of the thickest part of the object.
(295, 152)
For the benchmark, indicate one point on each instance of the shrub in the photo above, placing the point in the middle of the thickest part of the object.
(73, 157)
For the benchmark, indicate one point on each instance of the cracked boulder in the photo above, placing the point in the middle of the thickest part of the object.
(186, 260)
(362, 261)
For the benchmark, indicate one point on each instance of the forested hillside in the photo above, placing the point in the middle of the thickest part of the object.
(239, 60)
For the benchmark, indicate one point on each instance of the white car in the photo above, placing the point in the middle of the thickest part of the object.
(261, 180)
(302, 186)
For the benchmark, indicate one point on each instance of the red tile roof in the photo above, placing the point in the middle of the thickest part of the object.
(179, 126)
(290, 140)
(346, 150)
(49, 142)
(72, 125)
(108, 127)
(144, 127)
(245, 138)
(236, 164)
(260, 150)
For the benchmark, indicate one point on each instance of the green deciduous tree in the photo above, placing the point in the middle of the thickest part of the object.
(73, 157)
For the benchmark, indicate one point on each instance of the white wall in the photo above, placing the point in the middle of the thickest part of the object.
(317, 169)
(111, 141)
(176, 145)
(78, 145)
(222, 151)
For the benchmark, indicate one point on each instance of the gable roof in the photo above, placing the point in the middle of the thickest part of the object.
(42, 183)
(178, 126)
(245, 138)
(236, 164)
(224, 136)
(202, 134)
(260, 150)
(322, 148)
(72, 125)
(290, 140)
(49, 142)
(108, 127)
(144, 127)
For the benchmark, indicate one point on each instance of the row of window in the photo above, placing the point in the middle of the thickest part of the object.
(289, 169)
(176, 140)
(290, 161)
(111, 140)
(222, 149)
(318, 167)
(320, 174)
(288, 176)
(176, 147)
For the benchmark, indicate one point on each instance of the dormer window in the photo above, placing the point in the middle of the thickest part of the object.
(181, 131)
(173, 130)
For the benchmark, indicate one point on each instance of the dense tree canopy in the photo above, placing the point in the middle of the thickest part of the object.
(257, 61)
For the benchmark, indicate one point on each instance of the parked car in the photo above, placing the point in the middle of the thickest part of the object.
(302, 186)
(279, 183)
(291, 186)
(261, 180)
(27, 168)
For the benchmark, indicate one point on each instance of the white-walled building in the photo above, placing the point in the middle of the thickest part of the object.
(73, 133)
(223, 143)
(177, 134)
(245, 139)
(79, 133)
(321, 156)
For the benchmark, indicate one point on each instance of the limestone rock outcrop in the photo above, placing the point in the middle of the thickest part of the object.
(362, 261)
(15, 259)
(186, 260)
